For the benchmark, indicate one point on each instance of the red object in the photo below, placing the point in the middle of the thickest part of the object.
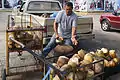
(112, 19)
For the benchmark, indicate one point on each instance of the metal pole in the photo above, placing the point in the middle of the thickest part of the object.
(21, 21)
(8, 24)
(7, 55)
(30, 20)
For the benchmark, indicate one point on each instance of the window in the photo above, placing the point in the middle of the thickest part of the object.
(118, 12)
(43, 6)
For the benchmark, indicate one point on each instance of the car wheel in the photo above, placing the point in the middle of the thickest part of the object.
(105, 25)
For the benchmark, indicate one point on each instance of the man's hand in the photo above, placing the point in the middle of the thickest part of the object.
(59, 37)
(74, 41)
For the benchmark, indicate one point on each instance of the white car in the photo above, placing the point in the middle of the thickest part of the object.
(36, 9)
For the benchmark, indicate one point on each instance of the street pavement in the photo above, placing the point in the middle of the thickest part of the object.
(110, 40)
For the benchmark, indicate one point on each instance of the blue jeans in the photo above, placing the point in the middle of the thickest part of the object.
(52, 44)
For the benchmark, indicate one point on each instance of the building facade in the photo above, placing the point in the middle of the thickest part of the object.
(79, 5)
(9, 3)
(96, 5)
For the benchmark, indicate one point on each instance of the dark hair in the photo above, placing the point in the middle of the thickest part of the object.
(70, 4)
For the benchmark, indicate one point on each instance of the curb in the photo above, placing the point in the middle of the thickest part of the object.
(79, 13)
(5, 10)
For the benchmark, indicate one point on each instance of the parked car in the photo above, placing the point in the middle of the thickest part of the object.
(110, 21)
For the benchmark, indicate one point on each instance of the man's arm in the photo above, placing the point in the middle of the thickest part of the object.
(74, 32)
(56, 29)
(73, 38)
(74, 28)
(56, 22)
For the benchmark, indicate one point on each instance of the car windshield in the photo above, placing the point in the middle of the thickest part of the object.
(118, 12)
(43, 6)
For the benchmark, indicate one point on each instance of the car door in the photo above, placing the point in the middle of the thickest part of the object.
(118, 20)
(115, 20)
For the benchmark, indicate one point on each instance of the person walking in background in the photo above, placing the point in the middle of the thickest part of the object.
(20, 2)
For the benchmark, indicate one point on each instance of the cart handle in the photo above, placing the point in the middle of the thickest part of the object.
(22, 45)
(48, 73)
(38, 57)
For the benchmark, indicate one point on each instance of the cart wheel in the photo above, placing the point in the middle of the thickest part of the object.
(3, 74)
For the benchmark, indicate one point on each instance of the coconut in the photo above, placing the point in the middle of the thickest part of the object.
(76, 55)
(88, 57)
(56, 77)
(116, 60)
(73, 62)
(65, 67)
(106, 63)
(93, 53)
(112, 63)
(90, 73)
(9, 42)
(105, 51)
(81, 54)
(100, 53)
(112, 53)
(10, 46)
(10, 35)
(79, 75)
(98, 67)
(17, 46)
(70, 76)
(56, 66)
(83, 63)
(59, 41)
(85, 68)
(62, 60)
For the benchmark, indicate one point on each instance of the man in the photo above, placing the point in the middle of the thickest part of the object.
(64, 27)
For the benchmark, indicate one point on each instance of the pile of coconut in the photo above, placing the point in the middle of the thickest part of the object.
(110, 57)
(83, 65)
(77, 66)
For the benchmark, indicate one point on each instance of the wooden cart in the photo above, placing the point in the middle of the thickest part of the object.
(25, 30)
